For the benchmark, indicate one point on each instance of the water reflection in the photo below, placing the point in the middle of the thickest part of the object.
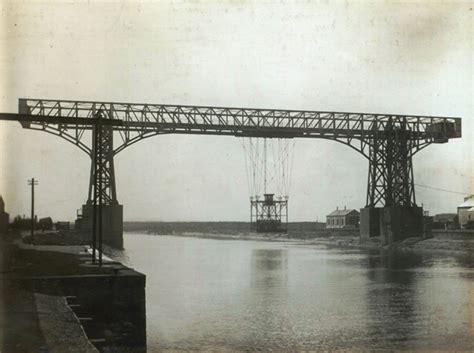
(390, 298)
(269, 268)
(407, 300)
(393, 260)
(245, 295)
(267, 296)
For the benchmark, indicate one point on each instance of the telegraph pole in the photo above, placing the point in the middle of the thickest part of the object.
(32, 182)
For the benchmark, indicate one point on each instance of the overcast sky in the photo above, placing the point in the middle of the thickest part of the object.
(388, 58)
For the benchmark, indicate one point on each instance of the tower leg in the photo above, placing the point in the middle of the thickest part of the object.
(112, 211)
(391, 210)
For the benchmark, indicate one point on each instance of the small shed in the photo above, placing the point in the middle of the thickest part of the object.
(346, 218)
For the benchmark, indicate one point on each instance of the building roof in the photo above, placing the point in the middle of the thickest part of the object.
(344, 212)
(468, 202)
(471, 209)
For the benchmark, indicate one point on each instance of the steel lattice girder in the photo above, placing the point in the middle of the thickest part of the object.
(388, 141)
(358, 130)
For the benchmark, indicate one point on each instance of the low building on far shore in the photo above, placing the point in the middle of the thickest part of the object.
(466, 212)
(62, 225)
(4, 217)
(346, 218)
(445, 221)
(45, 223)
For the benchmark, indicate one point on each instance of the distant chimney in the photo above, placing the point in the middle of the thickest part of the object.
(344, 207)
(337, 208)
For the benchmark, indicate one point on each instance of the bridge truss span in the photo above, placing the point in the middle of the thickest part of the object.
(359, 130)
(388, 141)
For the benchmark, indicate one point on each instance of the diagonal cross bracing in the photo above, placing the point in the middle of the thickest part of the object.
(388, 141)
(143, 120)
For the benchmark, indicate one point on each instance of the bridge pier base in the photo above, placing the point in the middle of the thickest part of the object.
(369, 226)
(400, 222)
(391, 224)
(112, 223)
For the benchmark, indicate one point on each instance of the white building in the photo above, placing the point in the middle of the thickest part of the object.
(466, 211)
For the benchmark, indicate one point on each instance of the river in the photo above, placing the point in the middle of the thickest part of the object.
(253, 295)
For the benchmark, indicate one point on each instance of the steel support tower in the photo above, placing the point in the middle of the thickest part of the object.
(388, 141)
(98, 126)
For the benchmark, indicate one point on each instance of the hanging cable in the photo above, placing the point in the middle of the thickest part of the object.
(291, 166)
(444, 190)
(269, 165)
(247, 175)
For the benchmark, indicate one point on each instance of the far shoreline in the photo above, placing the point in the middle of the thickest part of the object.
(455, 242)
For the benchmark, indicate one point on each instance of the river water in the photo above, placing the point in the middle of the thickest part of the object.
(252, 295)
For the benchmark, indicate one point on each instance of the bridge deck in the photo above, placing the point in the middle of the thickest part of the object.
(242, 122)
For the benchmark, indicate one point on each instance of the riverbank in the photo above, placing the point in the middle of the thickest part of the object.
(443, 241)
(53, 299)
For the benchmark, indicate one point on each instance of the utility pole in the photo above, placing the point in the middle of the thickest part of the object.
(32, 182)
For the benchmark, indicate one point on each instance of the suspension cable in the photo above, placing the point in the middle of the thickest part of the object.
(258, 158)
